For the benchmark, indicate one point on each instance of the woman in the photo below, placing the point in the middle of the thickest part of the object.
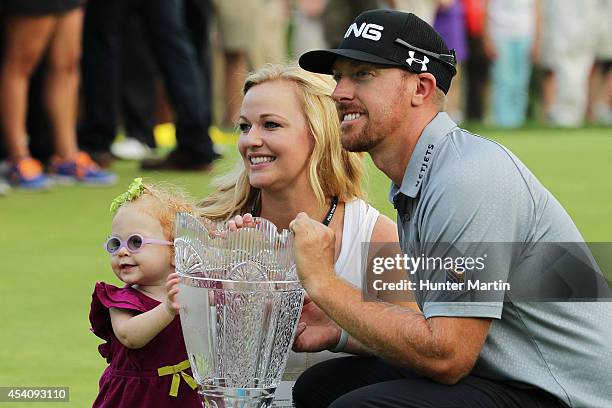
(32, 27)
(292, 162)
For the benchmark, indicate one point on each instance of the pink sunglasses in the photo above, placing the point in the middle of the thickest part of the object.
(133, 243)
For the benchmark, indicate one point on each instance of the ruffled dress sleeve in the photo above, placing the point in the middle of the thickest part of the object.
(104, 297)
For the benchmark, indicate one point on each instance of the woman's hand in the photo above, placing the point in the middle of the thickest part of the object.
(233, 225)
(241, 221)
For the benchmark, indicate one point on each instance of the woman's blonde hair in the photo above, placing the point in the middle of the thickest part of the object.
(332, 170)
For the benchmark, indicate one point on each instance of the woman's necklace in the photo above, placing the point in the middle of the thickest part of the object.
(331, 211)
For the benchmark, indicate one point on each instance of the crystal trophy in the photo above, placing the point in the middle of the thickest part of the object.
(240, 304)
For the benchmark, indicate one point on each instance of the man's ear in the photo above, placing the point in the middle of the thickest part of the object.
(425, 87)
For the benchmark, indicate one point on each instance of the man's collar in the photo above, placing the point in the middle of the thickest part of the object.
(420, 161)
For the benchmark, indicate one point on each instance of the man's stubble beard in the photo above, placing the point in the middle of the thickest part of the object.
(364, 141)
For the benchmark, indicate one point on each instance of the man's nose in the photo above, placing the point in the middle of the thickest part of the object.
(344, 90)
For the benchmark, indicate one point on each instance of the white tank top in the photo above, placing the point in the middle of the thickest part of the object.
(359, 221)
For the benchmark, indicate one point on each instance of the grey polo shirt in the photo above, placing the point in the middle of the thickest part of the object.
(464, 194)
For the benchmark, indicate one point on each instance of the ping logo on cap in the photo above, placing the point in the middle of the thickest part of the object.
(423, 62)
(369, 31)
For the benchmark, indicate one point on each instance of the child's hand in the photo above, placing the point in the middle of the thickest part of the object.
(172, 288)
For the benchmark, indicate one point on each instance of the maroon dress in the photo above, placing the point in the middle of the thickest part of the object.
(132, 379)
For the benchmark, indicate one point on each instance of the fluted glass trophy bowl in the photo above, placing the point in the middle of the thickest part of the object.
(240, 304)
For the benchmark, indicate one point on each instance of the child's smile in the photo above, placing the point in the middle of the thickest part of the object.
(127, 267)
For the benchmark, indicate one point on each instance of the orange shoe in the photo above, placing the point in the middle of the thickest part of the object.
(27, 173)
(82, 169)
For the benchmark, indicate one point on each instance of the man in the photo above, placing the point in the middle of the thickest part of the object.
(455, 193)
(164, 22)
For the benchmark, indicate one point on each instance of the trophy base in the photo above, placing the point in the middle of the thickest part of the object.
(215, 396)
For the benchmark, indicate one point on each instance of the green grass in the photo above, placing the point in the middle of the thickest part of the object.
(51, 250)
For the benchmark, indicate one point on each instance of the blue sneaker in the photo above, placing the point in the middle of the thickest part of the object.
(28, 174)
(83, 170)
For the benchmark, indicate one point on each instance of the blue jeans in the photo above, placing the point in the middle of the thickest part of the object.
(510, 74)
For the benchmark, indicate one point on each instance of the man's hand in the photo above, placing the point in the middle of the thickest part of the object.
(316, 331)
(314, 252)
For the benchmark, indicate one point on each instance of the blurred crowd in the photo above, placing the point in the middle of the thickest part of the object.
(74, 74)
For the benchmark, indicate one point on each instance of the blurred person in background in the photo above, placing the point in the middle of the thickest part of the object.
(581, 36)
(270, 45)
(143, 100)
(424, 9)
(476, 67)
(4, 185)
(237, 29)
(37, 126)
(308, 26)
(138, 93)
(40, 140)
(251, 33)
(450, 23)
(599, 108)
(512, 43)
(31, 28)
(603, 107)
(338, 14)
(546, 61)
(199, 15)
(164, 22)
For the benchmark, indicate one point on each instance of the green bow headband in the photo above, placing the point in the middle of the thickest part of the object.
(134, 191)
